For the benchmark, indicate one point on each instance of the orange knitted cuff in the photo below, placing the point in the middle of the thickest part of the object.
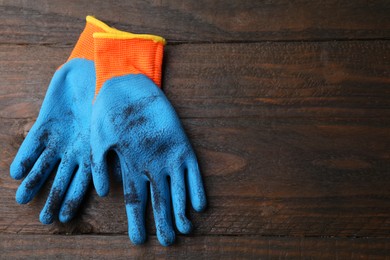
(119, 54)
(84, 45)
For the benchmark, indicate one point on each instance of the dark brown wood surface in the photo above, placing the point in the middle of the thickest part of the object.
(287, 104)
(205, 247)
(60, 22)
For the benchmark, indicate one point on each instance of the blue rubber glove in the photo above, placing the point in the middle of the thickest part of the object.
(60, 135)
(132, 116)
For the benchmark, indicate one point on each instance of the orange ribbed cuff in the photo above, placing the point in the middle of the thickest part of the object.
(84, 45)
(119, 55)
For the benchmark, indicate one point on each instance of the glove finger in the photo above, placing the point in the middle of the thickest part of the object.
(114, 166)
(60, 185)
(99, 168)
(162, 210)
(195, 185)
(76, 192)
(135, 193)
(178, 193)
(28, 153)
(37, 176)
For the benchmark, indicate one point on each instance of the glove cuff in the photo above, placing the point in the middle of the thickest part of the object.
(119, 54)
(84, 46)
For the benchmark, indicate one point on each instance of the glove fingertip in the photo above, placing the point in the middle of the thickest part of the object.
(21, 196)
(166, 237)
(199, 202)
(67, 212)
(16, 171)
(102, 189)
(185, 226)
(46, 218)
(137, 239)
(64, 218)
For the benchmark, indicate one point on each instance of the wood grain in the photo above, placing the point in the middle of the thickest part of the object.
(287, 104)
(60, 22)
(225, 247)
(299, 82)
(292, 138)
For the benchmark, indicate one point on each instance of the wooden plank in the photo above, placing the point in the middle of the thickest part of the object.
(260, 179)
(323, 82)
(292, 138)
(220, 247)
(59, 22)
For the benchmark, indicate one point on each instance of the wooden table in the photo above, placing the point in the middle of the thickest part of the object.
(287, 104)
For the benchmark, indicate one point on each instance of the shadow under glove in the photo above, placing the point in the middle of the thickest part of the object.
(132, 116)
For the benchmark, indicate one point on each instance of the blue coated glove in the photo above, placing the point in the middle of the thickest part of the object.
(132, 116)
(60, 135)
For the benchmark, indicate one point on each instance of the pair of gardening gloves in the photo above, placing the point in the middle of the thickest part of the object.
(107, 97)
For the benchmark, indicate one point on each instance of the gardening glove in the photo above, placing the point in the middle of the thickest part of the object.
(133, 117)
(60, 135)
